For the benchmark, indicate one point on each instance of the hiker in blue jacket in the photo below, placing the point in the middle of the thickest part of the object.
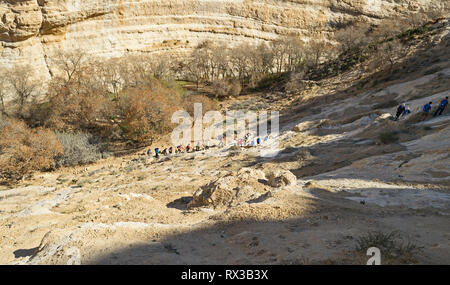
(400, 110)
(426, 110)
(441, 107)
(156, 152)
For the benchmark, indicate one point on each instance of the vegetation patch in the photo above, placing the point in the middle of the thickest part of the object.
(79, 149)
(388, 137)
(393, 248)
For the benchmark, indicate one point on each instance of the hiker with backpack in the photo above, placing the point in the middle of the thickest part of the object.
(441, 107)
(247, 136)
(400, 110)
(157, 152)
(426, 110)
(406, 111)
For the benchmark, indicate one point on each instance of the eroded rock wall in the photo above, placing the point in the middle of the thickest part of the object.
(31, 30)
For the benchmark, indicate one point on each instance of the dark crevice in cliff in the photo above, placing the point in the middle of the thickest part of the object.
(352, 12)
(48, 28)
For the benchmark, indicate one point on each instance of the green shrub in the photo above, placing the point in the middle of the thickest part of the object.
(388, 137)
(270, 80)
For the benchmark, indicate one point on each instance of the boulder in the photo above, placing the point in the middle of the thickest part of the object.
(308, 125)
(234, 188)
(247, 173)
(280, 178)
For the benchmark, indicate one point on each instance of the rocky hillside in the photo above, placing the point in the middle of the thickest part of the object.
(347, 177)
(32, 30)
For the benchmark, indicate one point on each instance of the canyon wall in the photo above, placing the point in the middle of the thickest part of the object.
(32, 30)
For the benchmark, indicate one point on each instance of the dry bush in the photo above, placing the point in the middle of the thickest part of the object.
(295, 82)
(100, 102)
(416, 20)
(79, 149)
(225, 88)
(390, 51)
(388, 137)
(80, 111)
(146, 112)
(23, 150)
(207, 104)
(387, 29)
(235, 89)
(353, 38)
(394, 248)
(80, 100)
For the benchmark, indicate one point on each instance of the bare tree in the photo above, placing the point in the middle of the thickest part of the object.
(294, 53)
(192, 70)
(316, 50)
(220, 62)
(110, 75)
(136, 70)
(161, 67)
(70, 63)
(352, 39)
(279, 49)
(391, 51)
(240, 59)
(24, 87)
(266, 57)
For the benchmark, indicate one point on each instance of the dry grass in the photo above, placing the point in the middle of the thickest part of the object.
(393, 247)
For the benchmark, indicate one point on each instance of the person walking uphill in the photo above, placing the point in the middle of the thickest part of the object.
(441, 107)
(426, 110)
(400, 110)
(156, 152)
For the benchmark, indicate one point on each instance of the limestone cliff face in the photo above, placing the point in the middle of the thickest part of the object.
(31, 30)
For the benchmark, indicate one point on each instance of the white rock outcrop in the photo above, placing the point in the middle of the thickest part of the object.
(246, 185)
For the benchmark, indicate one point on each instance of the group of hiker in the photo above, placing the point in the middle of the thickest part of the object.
(403, 110)
(200, 147)
(178, 149)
